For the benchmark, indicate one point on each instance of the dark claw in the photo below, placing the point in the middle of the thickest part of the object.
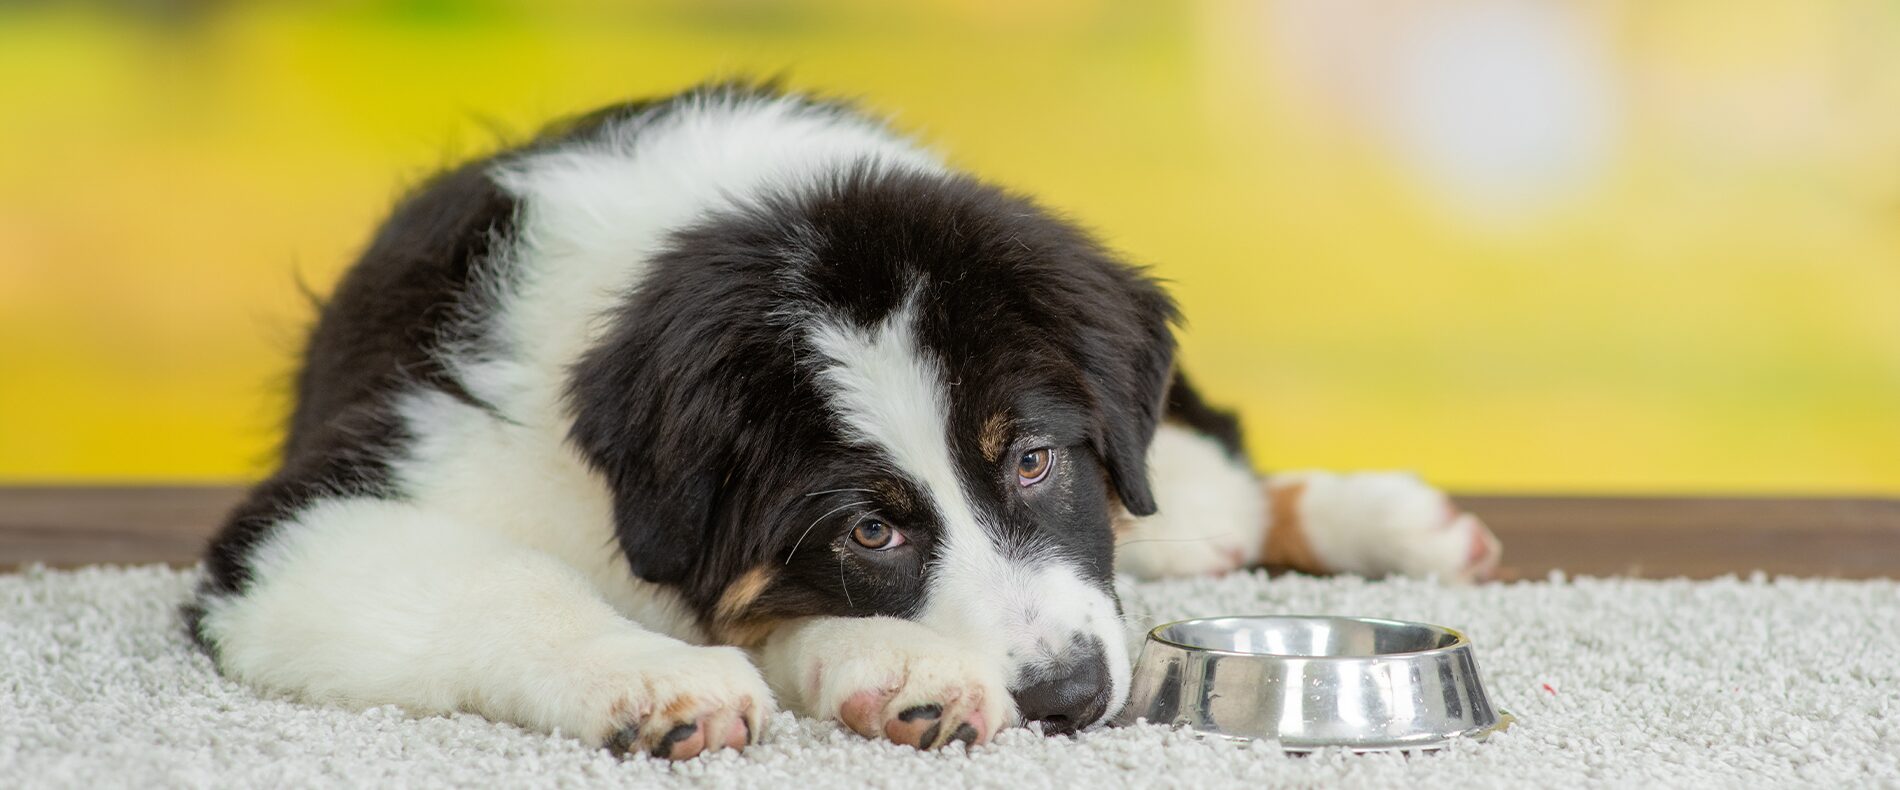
(965, 733)
(622, 741)
(665, 748)
(930, 736)
(920, 712)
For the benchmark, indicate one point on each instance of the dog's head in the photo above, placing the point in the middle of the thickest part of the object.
(894, 394)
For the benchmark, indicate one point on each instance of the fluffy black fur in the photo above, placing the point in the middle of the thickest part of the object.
(701, 411)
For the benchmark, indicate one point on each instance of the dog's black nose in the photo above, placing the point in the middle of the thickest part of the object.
(1067, 697)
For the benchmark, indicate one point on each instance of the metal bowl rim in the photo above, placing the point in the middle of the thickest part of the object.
(1461, 642)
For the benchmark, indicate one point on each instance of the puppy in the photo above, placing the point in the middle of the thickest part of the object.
(696, 407)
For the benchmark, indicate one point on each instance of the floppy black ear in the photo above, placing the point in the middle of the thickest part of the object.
(665, 402)
(1127, 355)
(635, 436)
(658, 410)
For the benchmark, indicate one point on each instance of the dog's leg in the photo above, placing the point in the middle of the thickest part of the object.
(365, 602)
(1374, 523)
(885, 677)
(1211, 520)
(1215, 514)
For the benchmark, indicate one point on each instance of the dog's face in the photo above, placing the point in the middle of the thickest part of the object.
(899, 395)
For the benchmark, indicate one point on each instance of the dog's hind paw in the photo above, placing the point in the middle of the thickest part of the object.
(1377, 523)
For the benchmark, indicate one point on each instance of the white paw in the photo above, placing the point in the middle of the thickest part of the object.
(1390, 522)
(1210, 512)
(639, 695)
(894, 679)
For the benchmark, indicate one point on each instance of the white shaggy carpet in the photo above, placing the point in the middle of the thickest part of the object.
(1624, 683)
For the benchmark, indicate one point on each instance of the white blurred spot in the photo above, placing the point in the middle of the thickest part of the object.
(1501, 108)
(1503, 105)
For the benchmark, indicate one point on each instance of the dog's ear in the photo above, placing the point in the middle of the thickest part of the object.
(658, 412)
(635, 436)
(1126, 350)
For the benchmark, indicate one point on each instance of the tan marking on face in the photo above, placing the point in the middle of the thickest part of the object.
(994, 435)
(732, 622)
(1286, 535)
(893, 494)
(748, 633)
(740, 595)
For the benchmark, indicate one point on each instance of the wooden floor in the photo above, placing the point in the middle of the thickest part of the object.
(1639, 536)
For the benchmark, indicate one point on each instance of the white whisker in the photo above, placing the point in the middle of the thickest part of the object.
(841, 582)
(842, 490)
(1173, 540)
(814, 523)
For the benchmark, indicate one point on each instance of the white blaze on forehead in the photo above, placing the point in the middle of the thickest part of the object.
(890, 393)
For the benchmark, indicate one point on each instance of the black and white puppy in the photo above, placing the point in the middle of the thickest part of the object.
(696, 407)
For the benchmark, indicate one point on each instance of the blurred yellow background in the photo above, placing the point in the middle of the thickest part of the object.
(1518, 246)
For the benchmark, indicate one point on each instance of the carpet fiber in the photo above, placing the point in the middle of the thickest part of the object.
(1730, 682)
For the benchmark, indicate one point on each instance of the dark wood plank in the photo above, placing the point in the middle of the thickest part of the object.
(1696, 537)
(66, 526)
(1637, 536)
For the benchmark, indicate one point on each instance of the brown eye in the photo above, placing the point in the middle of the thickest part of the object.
(876, 535)
(1034, 465)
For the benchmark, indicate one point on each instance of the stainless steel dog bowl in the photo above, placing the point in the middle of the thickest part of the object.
(1313, 682)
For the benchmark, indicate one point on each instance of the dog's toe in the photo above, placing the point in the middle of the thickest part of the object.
(715, 700)
(921, 691)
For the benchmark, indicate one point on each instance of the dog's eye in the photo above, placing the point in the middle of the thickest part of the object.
(876, 535)
(1034, 465)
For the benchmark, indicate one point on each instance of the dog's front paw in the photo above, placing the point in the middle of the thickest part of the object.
(672, 700)
(894, 679)
(1383, 522)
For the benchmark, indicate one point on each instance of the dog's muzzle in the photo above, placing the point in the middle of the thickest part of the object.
(1069, 694)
